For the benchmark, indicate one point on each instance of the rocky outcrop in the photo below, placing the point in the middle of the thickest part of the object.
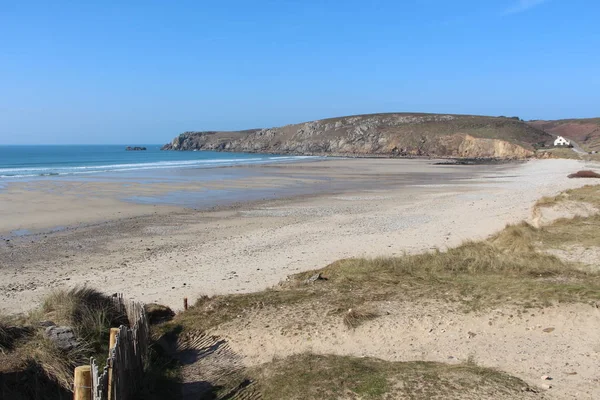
(441, 135)
(136, 148)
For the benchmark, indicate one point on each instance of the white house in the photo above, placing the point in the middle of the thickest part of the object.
(561, 141)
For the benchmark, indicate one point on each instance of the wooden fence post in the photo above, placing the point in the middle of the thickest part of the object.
(83, 383)
(185, 303)
(112, 341)
(124, 370)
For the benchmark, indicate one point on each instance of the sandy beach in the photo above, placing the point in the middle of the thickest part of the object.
(311, 214)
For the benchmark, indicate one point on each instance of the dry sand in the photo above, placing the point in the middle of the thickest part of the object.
(558, 341)
(378, 208)
(366, 208)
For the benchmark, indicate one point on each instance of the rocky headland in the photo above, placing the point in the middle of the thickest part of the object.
(389, 135)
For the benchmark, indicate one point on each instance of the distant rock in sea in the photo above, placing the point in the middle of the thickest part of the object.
(136, 148)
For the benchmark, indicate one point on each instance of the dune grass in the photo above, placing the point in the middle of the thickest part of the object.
(477, 275)
(577, 231)
(586, 194)
(90, 313)
(510, 267)
(11, 333)
(309, 376)
(354, 317)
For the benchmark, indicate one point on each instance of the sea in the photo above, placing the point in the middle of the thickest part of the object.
(46, 161)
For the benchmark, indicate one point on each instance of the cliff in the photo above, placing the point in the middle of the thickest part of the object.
(395, 134)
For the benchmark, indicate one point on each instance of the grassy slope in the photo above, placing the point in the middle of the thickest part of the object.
(585, 131)
(509, 129)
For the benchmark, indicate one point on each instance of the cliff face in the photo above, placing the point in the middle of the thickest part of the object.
(380, 134)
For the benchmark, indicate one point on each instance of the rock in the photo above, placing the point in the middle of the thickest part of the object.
(584, 174)
(136, 148)
(546, 378)
(63, 336)
(472, 335)
(548, 330)
(46, 324)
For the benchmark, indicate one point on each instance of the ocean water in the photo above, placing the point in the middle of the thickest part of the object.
(22, 162)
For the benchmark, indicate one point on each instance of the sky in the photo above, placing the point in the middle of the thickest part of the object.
(127, 72)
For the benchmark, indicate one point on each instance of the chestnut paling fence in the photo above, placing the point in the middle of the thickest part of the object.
(121, 377)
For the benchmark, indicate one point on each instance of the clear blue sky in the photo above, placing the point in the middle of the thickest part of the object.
(105, 72)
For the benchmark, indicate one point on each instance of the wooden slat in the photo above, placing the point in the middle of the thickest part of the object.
(127, 358)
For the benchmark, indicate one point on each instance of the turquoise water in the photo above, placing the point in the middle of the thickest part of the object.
(81, 160)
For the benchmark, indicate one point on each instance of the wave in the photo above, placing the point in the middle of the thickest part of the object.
(29, 172)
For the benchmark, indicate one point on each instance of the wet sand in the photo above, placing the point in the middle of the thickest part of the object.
(162, 240)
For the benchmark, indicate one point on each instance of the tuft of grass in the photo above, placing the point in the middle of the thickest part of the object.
(354, 317)
(11, 333)
(158, 313)
(517, 238)
(548, 201)
(55, 363)
(89, 312)
(310, 376)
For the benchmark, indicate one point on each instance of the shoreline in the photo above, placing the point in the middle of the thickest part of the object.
(370, 208)
(121, 196)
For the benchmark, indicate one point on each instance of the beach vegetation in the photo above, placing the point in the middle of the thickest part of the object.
(42, 361)
(354, 317)
(310, 376)
(515, 268)
(511, 266)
